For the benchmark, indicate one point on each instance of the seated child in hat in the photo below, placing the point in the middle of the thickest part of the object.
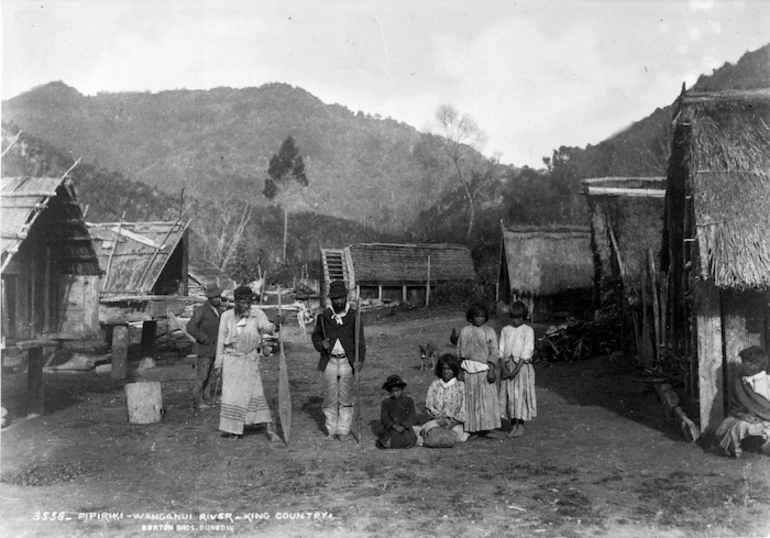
(749, 406)
(398, 416)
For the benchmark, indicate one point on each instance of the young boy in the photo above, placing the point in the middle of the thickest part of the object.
(749, 406)
(398, 416)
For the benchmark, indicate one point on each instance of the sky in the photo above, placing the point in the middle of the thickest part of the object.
(534, 74)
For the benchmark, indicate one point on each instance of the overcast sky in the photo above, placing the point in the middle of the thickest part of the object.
(535, 74)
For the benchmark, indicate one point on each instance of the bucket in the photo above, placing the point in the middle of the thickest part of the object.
(144, 401)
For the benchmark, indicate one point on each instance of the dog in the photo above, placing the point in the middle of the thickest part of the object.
(304, 317)
(428, 354)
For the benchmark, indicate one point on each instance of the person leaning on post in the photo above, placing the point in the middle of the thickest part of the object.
(204, 327)
(334, 336)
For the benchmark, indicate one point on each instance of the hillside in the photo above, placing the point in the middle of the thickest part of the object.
(642, 149)
(219, 141)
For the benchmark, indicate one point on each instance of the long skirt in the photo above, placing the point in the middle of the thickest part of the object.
(243, 398)
(482, 410)
(517, 395)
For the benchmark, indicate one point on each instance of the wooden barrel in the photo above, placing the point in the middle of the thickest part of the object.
(144, 401)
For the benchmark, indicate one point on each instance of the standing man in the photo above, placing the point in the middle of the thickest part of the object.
(334, 337)
(239, 353)
(204, 327)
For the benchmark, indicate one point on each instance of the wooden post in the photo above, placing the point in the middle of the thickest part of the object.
(149, 331)
(35, 392)
(119, 368)
(655, 304)
(403, 294)
(427, 286)
(379, 293)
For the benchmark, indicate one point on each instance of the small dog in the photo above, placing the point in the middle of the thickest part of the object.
(428, 354)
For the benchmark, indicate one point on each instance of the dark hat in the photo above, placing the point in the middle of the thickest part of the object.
(337, 289)
(393, 381)
(212, 290)
(242, 292)
(755, 355)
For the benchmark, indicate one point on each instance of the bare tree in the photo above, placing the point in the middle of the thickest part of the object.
(460, 136)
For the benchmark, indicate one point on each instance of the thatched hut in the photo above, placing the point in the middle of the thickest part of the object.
(716, 238)
(394, 273)
(50, 272)
(549, 268)
(626, 230)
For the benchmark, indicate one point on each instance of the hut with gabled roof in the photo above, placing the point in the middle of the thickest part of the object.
(716, 241)
(50, 272)
(396, 272)
(626, 233)
(549, 268)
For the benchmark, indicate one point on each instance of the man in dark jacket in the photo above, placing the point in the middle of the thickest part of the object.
(204, 327)
(334, 337)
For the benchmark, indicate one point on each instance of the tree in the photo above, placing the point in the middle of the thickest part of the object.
(286, 176)
(460, 136)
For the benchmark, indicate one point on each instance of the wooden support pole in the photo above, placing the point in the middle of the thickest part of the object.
(427, 286)
(149, 332)
(119, 368)
(655, 304)
(35, 392)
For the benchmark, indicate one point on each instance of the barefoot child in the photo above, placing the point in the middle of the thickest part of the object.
(517, 387)
(477, 349)
(445, 402)
(398, 416)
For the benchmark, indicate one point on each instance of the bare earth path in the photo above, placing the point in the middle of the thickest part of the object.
(599, 460)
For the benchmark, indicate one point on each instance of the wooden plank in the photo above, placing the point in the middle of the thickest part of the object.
(35, 385)
(709, 352)
(119, 368)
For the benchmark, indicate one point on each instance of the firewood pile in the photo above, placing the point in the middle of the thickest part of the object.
(576, 340)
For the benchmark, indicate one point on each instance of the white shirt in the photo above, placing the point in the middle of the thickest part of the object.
(517, 342)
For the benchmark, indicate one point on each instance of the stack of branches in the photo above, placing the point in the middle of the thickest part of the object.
(576, 340)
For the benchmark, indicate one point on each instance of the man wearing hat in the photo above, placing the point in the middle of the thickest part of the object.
(204, 327)
(334, 337)
(239, 355)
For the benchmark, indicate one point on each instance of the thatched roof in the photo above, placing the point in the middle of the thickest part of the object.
(548, 260)
(632, 209)
(397, 264)
(728, 162)
(133, 254)
(203, 273)
(49, 204)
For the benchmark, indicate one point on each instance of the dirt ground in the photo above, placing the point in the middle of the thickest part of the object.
(599, 460)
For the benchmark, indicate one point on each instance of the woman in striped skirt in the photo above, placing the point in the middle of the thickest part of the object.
(477, 348)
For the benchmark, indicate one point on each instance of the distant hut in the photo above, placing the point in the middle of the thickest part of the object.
(50, 273)
(202, 273)
(716, 238)
(548, 268)
(396, 273)
(626, 230)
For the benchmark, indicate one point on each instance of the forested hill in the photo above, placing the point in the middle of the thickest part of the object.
(642, 149)
(360, 167)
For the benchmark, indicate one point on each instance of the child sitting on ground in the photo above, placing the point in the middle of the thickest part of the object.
(398, 416)
(749, 406)
(517, 376)
(446, 404)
